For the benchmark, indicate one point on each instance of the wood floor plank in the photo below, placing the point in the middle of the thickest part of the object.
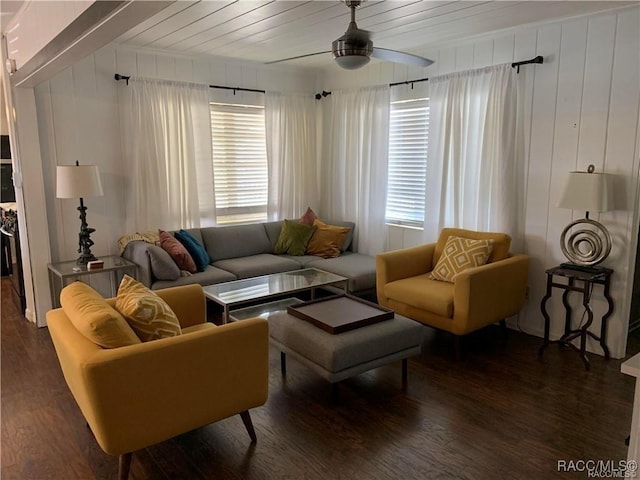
(499, 412)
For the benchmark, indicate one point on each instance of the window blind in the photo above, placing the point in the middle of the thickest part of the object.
(239, 163)
(408, 148)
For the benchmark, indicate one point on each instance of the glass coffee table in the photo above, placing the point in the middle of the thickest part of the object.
(266, 287)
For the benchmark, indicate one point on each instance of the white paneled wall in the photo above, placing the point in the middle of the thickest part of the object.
(78, 119)
(581, 108)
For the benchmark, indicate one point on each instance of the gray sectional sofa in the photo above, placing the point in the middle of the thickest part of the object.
(243, 251)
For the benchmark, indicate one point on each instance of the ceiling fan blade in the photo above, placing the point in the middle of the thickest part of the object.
(295, 58)
(400, 57)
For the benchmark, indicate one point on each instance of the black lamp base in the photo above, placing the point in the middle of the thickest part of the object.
(86, 258)
(84, 237)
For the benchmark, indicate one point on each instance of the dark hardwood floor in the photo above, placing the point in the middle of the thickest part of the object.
(498, 413)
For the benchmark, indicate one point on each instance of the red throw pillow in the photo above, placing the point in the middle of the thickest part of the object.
(309, 217)
(177, 251)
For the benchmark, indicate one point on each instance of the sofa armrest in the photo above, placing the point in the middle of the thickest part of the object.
(489, 293)
(139, 395)
(399, 264)
(136, 252)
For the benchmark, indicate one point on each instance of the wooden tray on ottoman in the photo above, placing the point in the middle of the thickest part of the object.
(340, 313)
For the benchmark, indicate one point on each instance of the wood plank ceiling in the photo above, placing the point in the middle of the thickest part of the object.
(264, 31)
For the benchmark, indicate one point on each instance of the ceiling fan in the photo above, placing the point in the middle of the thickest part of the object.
(354, 49)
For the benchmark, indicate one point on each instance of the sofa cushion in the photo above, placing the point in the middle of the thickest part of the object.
(499, 251)
(359, 268)
(460, 254)
(302, 260)
(327, 240)
(235, 241)
(256, 265)
(94, 318)
(423, 293)
(195, 249)
(177, 251)
(273, 232)
(162, 265)
(294, 238)
(210, 276)
(148, 314)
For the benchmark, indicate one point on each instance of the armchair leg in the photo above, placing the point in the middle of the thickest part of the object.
(124, 464)
(246, 419)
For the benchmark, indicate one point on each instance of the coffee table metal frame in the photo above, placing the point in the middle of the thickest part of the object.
(248, 290)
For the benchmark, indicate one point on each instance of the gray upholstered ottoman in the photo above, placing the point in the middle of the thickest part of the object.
(340, 356)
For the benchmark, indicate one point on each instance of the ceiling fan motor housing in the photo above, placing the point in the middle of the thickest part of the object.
(344, 48)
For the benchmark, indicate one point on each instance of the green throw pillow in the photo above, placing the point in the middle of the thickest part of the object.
(294, 238)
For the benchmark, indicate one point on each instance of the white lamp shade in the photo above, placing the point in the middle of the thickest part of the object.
(78, 181)
(589, 192)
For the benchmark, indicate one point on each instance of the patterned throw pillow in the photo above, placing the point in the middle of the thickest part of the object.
(149, 315)
(458, 255)
(293, 238)
(327, 240)
(177, 251)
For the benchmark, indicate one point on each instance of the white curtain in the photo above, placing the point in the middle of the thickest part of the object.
(354, 163)
(168, 155)
(475, 172)
(290, 124)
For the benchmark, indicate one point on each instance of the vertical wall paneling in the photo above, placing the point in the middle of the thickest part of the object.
(46, 130)
(183, 69)
(464, 58)
(483, 53)
(621, 159)
(63, 104)
(503, 49)
(539, 173)
(146, 65)
(108, 122)
(165, 67)
(597, 84)
(567, 127)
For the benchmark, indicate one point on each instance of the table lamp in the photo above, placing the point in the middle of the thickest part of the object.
(590, 242)
(80, 181)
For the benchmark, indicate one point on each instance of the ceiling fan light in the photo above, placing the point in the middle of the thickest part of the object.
(352, 62)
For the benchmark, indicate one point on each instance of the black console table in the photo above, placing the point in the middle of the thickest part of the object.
(586, 277)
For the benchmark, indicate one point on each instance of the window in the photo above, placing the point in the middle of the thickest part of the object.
(239, 163)
(408, 146)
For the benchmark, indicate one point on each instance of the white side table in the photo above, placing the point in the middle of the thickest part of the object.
(632, 367)
(63, 273)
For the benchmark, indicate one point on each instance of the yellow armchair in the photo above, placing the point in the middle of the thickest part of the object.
(138, 395)
(478, 296)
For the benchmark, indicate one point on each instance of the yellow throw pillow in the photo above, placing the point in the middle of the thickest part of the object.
(94, 318)
(458, 255)
(149, 315)
(327, 240)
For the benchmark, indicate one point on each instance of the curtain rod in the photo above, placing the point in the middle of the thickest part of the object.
(538, 59)
(126, 78)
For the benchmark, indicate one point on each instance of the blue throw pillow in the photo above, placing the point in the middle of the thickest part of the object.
(197, 251)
